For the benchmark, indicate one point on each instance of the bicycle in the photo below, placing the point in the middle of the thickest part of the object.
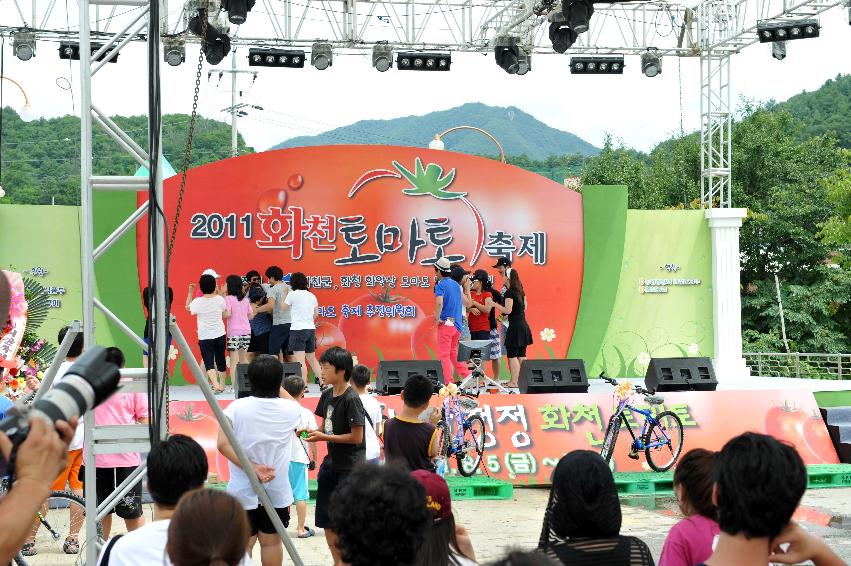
(52, 528)
(658, 433)
(467, 445)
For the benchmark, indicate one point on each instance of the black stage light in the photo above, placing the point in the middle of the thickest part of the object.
(415, 61)
(597, 65)
(562, 36)
(784, 30)
(578, 14)
(237, 10)
(216, 44)
(68, 50)
(524, 61)
(778, 50)
(174, 51)
(507, 54)
(321, 55)
(651, 63)
(264, 57)
(382, 57)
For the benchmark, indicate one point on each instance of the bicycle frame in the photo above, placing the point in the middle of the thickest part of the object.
(638, 443)
(452, 409)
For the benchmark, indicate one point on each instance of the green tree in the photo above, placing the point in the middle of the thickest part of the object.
(621, 166)
(836, 232)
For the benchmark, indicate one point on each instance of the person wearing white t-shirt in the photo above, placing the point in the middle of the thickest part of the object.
(70, 476)
(175, 466)
(303, 455)
(372, 408)
(304, 308)
(264, 425)
(210, 309)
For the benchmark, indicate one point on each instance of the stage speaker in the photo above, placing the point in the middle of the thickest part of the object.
(242, 387)
(553, 376)
(680, 374)
(392, 375)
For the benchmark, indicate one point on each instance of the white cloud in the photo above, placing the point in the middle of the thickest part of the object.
(631, 107)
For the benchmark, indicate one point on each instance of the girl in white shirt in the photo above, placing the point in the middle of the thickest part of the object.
(210, 311)
(304, 308)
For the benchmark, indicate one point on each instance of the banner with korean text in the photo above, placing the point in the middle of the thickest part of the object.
(527, 434)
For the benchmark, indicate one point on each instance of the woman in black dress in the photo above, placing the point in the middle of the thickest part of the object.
(519, 335)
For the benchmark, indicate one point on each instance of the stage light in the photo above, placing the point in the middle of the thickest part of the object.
(174, 50)
(321, 55)
(382, 56)
(237, 10)
(597, 65)
(778, 50)
(216, 44)
(415, 61)
(651, 63)
(508, 54)
(265, 57)
(784, 30)
(578, 15)
(68, 50)
(23, 44)
(562, 36)
(524, 62)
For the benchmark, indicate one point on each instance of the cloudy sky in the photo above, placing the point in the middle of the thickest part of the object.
(638, 110)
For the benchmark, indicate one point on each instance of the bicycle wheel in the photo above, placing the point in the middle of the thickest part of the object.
(667, 435)
(63, 514)
(611, 438)
(441, 430)
(472, 446)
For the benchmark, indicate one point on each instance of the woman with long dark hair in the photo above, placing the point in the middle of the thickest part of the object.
(238, 315)
(518, 336)
(583, 519)
(445, 543)
(208, 528)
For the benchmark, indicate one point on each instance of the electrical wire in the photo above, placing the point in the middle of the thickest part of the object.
(2, 71)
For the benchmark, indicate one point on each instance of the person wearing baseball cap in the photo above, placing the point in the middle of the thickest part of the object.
(448, 316)
(481, 316)
(444, 542)
(212, 272)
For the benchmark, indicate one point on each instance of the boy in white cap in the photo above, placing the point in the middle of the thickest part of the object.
(448, 313)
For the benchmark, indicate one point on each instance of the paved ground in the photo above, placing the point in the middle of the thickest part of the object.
(498, 525)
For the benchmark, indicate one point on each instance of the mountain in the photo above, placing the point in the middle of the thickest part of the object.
(518, 132)
(827, 109)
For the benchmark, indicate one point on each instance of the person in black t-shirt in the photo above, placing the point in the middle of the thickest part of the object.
(146, 300)
(408, 441)
(342, 426)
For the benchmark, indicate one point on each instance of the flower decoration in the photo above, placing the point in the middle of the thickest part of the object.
(693, 349)
(450, 390)
(548, 334)
(173, 352)
(17, 304)
(623, 390)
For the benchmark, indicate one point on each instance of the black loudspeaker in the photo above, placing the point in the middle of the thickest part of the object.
(680, 374)
(392, 375)
(553, 376)
(242, 387)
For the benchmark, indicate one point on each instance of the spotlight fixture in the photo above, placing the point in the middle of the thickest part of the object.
(408, 61)
(507, 54)
(237, 10)
(382, 56)
(596, 65)
(562, 36)
(524, 62)
(651, 63)
(215, 43)
(778, 50)
(784, 30)
(262, 57)
(174, 50)
(578, 14)
(68, 50)
(23, 44)
(321, 55)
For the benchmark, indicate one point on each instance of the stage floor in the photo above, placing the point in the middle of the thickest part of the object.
(193, 393)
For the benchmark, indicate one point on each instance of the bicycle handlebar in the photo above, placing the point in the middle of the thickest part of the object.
(608, 379)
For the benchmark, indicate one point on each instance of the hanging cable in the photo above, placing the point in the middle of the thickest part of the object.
(2, 71)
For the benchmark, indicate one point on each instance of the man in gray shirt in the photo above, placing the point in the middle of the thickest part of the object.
(279, 336)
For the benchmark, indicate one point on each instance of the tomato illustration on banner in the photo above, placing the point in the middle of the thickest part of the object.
(366, 225)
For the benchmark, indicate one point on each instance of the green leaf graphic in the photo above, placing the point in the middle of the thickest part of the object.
(428, 181)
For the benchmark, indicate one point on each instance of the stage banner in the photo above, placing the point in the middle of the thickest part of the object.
(527, 434)
(366, 224)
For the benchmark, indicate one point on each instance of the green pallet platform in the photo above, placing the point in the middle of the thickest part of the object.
(829, 475)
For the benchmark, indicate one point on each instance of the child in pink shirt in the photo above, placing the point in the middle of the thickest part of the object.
(113, 469)
(692, 540)
(239, 329)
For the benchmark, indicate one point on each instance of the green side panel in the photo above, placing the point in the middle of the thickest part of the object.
(604, 216)
(833, 398)
(117, 274)
(46, 237)
(663, 307)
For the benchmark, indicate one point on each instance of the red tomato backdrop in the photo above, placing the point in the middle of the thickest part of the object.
(320, 180)
(527, 434)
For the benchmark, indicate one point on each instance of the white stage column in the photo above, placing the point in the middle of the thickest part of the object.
(724, 224)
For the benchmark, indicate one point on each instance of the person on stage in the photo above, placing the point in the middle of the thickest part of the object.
(518, 335)
(448, 317)
(503, 268)
(482, 316)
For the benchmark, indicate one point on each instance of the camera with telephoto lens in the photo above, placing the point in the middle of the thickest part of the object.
(88, 382)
